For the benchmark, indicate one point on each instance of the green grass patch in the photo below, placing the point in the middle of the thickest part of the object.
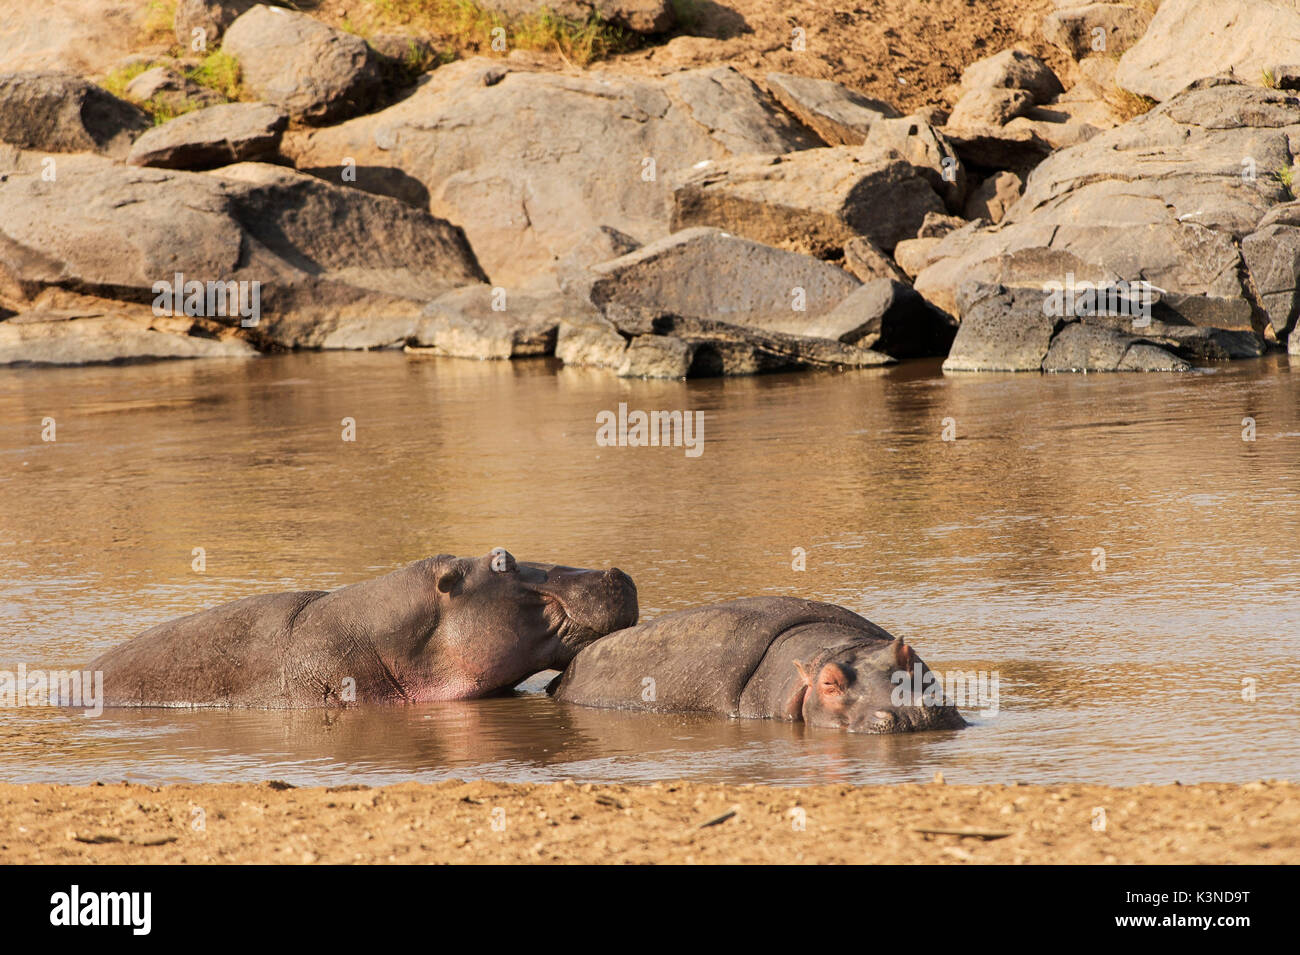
(469, 25)
(218, 71)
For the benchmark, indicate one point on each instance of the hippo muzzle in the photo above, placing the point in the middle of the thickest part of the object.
(582, 605)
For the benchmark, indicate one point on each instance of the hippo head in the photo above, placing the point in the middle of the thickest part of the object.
(508, 619)
(856, 687)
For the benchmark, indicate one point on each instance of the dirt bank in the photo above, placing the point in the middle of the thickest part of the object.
(666, 822)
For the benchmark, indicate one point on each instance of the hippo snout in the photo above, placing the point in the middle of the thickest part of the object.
(624, 599)
(595, 603)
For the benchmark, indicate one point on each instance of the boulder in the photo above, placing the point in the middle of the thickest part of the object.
(314, 72)
(814, 200)
(647, 343)
(887, 316)
(639, 16)
(1081, 346)
(1002, 329)
(993, 197)
(916, 142)
(600, 149)
(866, 261)
(840, 116)
(1108, 28)
(322, 256)
(1166, 198)
(708, 274)
(211, 17)
(62, 113)
(482, 321)
(1272, 254)
(1192, 39)
(216, 136)
(989, 106)
(1013, 70)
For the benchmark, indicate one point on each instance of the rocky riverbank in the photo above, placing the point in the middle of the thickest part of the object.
(671, 822)
(698, 195)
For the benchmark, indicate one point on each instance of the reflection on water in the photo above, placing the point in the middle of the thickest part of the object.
(981, 551)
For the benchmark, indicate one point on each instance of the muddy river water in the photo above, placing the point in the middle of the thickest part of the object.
(1108, 545)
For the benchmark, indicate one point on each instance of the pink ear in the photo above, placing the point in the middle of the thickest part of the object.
(903, 655)
(803, 673)
(794, 705)
(832, 681)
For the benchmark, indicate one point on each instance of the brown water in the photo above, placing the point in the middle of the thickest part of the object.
(979, 551)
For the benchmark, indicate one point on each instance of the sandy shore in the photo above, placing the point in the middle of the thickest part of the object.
(484, 822)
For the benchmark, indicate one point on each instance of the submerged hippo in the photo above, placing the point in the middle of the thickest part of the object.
(444, 628)
(761, 658)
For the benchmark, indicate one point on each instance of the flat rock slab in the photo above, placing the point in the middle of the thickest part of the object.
(32, 339)
(62, 113)
(839, 115)
(708, 274)
(314, 72)
(815, 200)
(216, 136)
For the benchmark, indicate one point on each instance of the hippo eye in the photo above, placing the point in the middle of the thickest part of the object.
(501, 560)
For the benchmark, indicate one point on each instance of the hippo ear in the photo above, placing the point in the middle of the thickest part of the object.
(903, 655)
(803, 673)
(832, 681)
(449, 578)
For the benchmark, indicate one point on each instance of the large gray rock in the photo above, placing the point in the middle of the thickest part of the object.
(839, 115)
(918, 143)
(216, 136)
(814, 200)
(645, 343)
(599, 149)
(316, 73)
(1016, 329)
(1191, 39)
(1165, 198)
(890, 317)
(486, 322)
(989, 106)
(1082, 346)
(1001, 330)
(1272, 255)
(708, 274)
(62, 113)
(1015, 70)
(36, 338)
(211, 17)
(639, 16)
(324, 256)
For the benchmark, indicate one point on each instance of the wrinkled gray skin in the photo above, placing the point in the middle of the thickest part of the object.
(760, 658)
(444, 628)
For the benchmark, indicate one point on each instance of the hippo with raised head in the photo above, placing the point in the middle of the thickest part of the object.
(443, 628)
(776, 658)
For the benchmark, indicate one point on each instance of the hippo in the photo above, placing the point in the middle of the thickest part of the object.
(443, 628)
(778, 658)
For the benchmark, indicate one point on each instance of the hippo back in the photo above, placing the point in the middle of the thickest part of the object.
(697, 660)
